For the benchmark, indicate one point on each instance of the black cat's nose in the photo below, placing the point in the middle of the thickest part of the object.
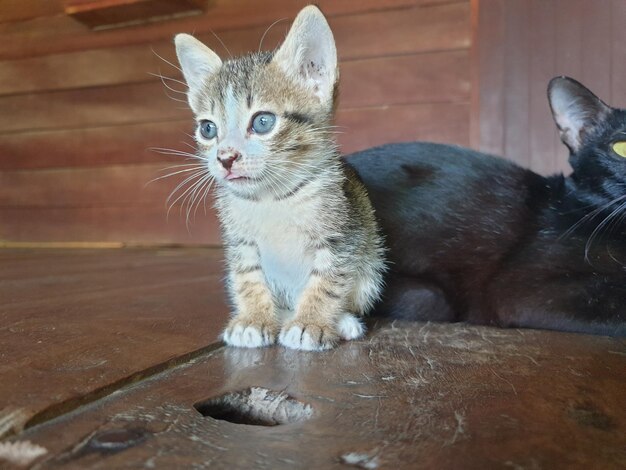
(228, 158)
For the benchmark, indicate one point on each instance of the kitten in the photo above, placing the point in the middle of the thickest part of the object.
(303, 252)
(473, 237)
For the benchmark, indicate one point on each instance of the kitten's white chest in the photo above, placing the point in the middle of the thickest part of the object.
(278, 229)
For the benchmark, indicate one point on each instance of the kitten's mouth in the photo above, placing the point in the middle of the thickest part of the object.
(235, 177)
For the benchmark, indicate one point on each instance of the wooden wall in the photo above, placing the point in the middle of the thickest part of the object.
(519, 45)
(78, 109)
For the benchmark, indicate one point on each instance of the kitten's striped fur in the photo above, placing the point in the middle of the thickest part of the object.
(303, 252)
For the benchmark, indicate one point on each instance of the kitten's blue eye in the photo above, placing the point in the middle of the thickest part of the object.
(208, 129)
(262, 123)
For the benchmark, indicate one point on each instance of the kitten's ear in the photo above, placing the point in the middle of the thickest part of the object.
(196, 60)
(309, 54)
(575, 109)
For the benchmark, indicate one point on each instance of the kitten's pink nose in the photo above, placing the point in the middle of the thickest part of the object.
(228, 157)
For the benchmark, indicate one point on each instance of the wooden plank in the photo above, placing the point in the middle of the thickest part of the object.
(412, 79)
(422, 78)
(569, 25)
(53, 35)
(97, 146)
(102, 14)
(544, 140)
(446, 123)
(596, 47)
(408, 396)
(441, 29)
(132, 224)
(79, 278)
(618, 59)
(90, 107)
(516, 86)
(91, 187)
(143, 309)
(491, 53)
(22, 10)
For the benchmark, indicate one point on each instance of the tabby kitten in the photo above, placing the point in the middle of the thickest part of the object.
(303, 252)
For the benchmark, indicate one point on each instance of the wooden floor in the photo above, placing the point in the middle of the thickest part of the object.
(109, 359)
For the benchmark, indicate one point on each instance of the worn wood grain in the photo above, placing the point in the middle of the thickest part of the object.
(58, 34)
(130, 224)
(409, 395)
(22, 10)
(102, 14)
(436, 30)
(95, 146)
(76, 322)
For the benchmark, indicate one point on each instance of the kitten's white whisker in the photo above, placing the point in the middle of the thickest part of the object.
(166, 61)
(183, 183)
(222, 43)
(170, 174)
(180, 153)
(184, 193)
(170, 88)
(188, 144)
(196, 193)
(267, 31)
(163, 77)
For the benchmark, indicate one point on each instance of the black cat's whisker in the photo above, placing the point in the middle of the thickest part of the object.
(598, 230)
(590, 216)
(267, 31)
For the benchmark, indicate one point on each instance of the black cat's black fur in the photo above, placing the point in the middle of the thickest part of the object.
(476, 238)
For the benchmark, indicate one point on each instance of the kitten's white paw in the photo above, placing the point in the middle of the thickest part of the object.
(243, 335)
(350, 327)
(309, 337)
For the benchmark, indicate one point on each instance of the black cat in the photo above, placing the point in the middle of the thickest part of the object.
(476, 238)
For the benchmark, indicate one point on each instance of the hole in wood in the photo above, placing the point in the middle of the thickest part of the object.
(255, 406)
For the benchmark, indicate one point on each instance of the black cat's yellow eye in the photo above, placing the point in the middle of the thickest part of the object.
(208, 129)
(620, 148)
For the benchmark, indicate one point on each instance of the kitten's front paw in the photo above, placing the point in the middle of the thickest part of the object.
(246, 333)
(350, 327)
(308, 336)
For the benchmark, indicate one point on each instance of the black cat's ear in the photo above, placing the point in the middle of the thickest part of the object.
(575, 109)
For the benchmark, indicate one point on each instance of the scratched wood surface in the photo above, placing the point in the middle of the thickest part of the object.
(410, 395)
(73, 324)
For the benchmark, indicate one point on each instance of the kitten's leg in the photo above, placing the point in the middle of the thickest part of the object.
(367, 289)
(255, 323)
(320, 307)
